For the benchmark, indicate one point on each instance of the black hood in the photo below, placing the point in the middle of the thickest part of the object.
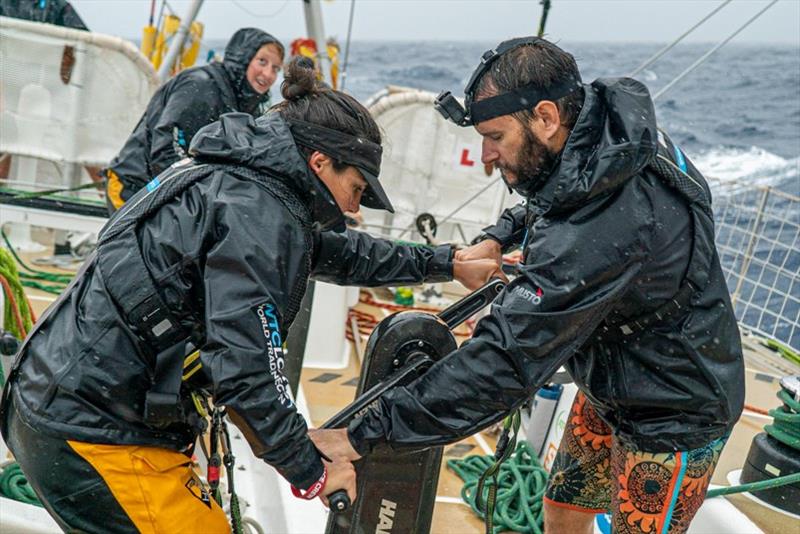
(614, 138)
(240, 50)
(266, 145)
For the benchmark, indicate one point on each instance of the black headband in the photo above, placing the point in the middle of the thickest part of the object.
(518, 99)
(361, 153)
(526, 97)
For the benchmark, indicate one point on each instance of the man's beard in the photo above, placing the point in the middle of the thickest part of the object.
(534, 164)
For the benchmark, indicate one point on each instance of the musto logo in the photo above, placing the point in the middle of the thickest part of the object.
(269, 325)
(530, 296)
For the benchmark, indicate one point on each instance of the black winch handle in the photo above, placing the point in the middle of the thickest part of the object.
(452, 316)
(465, 308)
(339, 501)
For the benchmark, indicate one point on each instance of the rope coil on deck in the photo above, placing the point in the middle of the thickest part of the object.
(521, 485)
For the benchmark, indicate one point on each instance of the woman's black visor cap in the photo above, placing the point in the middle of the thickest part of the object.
(361, 153)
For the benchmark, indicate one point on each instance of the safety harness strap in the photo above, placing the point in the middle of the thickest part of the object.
(162, 403)
(132, 288)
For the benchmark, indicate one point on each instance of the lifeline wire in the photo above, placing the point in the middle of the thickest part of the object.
(652, 59)
(347, 44)
(705, 56)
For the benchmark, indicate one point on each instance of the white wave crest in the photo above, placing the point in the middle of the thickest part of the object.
(752, 166)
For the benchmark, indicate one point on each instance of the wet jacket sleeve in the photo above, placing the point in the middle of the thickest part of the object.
(509, 230)
(192, 103)
(357, 258)
(249, 274)
(571, 281)
(70, 18)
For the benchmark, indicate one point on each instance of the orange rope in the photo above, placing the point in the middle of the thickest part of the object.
(756, 409)
(367, 322)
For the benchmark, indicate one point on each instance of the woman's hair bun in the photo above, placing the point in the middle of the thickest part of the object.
(299, 79)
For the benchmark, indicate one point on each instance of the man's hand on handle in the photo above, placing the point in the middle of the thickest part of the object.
(334, 443)
(488, 249)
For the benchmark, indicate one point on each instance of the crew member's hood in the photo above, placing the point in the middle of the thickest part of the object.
(240, 50)
(614, 138)
(266, 145)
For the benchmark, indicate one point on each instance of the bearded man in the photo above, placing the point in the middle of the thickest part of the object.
(620, 283)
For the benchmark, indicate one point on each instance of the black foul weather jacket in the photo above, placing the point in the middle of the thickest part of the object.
(608, 242)
(58, 12)
(184, 104)
(230, 256)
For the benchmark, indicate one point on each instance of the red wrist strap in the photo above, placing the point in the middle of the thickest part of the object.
(315, 489)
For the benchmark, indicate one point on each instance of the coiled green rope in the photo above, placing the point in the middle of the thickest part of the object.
(785, 425)
(521, 485)
(14, 485)
(785, 428)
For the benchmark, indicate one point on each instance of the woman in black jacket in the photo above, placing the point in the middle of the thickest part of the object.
(214, 254)
(192, 99)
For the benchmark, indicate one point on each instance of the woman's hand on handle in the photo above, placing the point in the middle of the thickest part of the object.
(341, 476)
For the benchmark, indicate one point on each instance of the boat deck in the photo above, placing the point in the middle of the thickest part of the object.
(328, 391)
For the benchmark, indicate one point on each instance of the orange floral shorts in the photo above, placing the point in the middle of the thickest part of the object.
(653, 493)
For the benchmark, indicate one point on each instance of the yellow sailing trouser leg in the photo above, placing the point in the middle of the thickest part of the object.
(158, 488)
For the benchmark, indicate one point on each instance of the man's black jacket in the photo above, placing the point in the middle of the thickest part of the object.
(226, 256)
(184, 104)
(607, 239)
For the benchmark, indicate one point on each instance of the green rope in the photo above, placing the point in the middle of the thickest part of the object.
(51, 192)
(33, 273)
(8, 269)
(14, 485)
(784, 350)
(785, 428)
(521, 482)
(543, 18)
(56, 283)
(785, 425)
(754, 486)
(15, 195)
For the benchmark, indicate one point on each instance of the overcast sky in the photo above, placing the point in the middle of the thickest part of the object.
(472, 20)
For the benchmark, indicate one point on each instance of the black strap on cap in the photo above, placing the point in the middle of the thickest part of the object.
(349, 149)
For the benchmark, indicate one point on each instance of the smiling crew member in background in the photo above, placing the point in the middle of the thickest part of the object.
(620, 283)
(216, 253)
(192, 99)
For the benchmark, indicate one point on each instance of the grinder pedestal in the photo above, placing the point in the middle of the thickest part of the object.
(397, 490)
